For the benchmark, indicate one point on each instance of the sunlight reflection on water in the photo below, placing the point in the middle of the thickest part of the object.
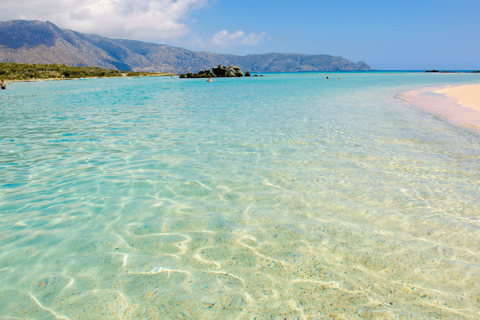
(282, 197)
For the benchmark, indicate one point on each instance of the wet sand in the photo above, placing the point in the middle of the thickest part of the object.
(460, 104)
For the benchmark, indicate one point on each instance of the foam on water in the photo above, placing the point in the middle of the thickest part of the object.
(287, 196)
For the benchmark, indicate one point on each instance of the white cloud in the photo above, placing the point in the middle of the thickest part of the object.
(226, 39)
(134, 19)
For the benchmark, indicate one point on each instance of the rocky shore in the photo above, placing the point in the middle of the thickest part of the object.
(218, 72)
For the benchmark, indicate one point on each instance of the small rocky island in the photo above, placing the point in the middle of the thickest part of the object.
(218, 72)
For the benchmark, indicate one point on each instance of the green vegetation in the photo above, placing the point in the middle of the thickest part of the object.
(23, 71)
(201, 74)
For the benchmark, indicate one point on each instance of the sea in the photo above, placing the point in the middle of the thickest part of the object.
(286, 196)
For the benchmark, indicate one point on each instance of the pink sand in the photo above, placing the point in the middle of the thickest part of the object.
(460, 104)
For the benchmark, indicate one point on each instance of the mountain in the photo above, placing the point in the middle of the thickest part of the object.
(43, 42)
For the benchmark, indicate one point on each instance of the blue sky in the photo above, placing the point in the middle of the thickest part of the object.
(388, 35)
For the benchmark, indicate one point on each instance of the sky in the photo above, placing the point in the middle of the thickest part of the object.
(387, 35)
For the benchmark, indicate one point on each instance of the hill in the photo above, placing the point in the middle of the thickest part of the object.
(44, 43)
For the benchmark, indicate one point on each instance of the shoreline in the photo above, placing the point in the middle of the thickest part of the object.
(459, 104)
(87, 78)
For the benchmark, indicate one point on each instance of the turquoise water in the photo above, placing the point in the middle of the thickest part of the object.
(287, 196)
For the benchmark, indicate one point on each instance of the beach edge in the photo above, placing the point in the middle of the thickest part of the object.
(459, 104)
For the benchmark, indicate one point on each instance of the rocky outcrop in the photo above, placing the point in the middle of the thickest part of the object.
(218, 72)
(200, 74)
(227, 72)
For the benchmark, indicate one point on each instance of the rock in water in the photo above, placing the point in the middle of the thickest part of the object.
(220, 71)
(230, 72)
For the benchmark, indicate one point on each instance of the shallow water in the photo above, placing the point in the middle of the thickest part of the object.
(287, 196)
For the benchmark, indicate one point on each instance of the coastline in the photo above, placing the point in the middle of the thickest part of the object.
(88, 78)
(459, 104)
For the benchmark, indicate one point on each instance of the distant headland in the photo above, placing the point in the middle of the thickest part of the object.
(39, 42)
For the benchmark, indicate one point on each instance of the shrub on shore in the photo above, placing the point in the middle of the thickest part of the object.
(200, 74)
(24, 71)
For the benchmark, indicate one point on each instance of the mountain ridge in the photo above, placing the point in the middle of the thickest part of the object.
(24, 41)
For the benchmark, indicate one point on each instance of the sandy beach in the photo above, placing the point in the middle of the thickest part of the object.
(460, 104)
(468, 96)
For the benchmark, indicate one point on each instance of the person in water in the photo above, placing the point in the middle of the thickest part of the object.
(3, 85)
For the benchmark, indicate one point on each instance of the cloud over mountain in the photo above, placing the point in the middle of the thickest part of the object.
(226, 39)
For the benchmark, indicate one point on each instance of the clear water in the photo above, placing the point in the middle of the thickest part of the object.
(287, 196)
